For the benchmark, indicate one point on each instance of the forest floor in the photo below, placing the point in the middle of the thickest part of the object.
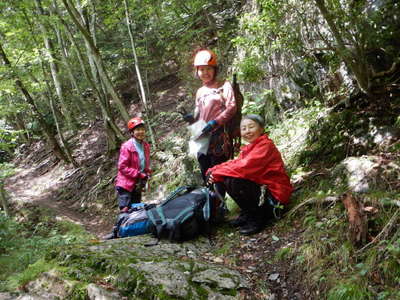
(43, 181)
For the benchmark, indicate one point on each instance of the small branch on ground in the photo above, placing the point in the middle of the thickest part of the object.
(329, 199)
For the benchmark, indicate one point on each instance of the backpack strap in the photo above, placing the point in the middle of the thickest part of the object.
(157, 225)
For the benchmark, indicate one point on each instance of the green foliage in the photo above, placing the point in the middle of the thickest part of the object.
(283, 253)
(250, 70)
(22, 247)
(292, 130)
(8, 141)
(349, 291)
(30, 273)
(6, 170)
(263, 104)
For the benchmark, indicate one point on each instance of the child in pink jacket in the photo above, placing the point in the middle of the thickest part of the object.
(133, 166)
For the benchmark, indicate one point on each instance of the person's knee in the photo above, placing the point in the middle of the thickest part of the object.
(124, 200)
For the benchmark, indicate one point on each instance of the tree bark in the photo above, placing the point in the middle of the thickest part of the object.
(139, 76)
(94, 52)
(354, 60)
(3, 197)
(44, 126)
(358, 227)
(54, 68)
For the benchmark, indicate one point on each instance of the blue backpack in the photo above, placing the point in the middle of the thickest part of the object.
(133, 223)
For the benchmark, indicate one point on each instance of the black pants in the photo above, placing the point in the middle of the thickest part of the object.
(207, 161)
(215, 154)
(126, 198)
(247, 194)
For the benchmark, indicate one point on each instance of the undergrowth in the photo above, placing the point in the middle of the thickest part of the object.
(24, 245)
(314, 142)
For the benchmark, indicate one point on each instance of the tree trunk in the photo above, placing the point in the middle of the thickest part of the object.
(354, 60)
(44, 126)
(64, 143)
(3, 197)
(54, 69)
(139, 76)
(94, 52)
(358, 227)
(114, 134)
(78, 103)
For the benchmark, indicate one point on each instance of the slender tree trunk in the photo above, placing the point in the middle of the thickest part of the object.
(109, 123)
(354, 61)
(54, 68)
(44, 126)
(66, 148)
(139, 76)
(74, 14)
(3, 197)
(19, 125)
(114, 134)
(64, 57)
(90, 110)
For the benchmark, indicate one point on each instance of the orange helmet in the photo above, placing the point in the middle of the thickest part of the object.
(205, 58)
(134, 122)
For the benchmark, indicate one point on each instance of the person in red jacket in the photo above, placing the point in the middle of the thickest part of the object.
(258, 164)
(133, 165)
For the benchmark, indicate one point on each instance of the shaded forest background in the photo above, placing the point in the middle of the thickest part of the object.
(324, 73)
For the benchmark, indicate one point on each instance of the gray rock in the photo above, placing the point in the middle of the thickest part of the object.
(9, 296)
(220, 278)
(98, 293)
(165, 275)
(273, 277)
(49, 285)
(360, 174)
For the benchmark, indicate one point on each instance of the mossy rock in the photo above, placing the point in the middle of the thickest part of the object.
(136, 271)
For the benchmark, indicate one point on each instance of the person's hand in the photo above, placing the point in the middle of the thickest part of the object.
(143, 176)
(125, 209)
(210, 179)
(209, 127)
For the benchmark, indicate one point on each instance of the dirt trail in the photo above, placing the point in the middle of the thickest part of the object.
(41, 180)
(42, 189)
(44, 181)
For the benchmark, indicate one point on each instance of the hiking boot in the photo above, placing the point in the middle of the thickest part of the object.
(241, 220)
(251, 227)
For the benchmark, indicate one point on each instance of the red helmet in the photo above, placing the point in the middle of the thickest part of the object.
(134, 122)
(205, 58)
